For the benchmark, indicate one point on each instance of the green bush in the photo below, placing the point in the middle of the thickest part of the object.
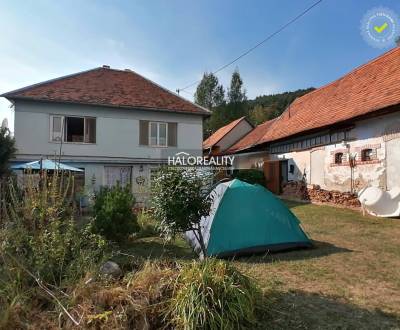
(179, 202)
(113, 216)
(251, 176)
(212, 295)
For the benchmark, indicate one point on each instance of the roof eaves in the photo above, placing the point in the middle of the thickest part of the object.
(238, 121)
(9, 95)
(109, 105)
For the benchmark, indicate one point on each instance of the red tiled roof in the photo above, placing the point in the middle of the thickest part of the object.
(370, 87)
(251, 138)
(108, 87)
(220, 133)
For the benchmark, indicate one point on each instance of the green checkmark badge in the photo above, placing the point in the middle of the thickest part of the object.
(381, 28)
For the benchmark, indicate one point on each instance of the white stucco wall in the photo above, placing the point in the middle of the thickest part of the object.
(117, 132)
(250, 160)
(95, 177)
(373, 133)
(239, 131)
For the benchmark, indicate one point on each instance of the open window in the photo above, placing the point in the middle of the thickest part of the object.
(366, 155)
(73, 129)
(339, 158)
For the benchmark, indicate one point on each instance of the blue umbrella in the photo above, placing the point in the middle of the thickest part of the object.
(47, 164)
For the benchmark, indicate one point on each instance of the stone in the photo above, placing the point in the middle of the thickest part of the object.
(111, 268)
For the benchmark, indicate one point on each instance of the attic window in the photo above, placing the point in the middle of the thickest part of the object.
(366, 155)
(339, 158)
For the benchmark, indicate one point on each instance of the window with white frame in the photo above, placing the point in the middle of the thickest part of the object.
(158, 134)
(72, 129)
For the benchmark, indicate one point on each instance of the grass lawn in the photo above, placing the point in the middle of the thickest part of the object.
(350, 280)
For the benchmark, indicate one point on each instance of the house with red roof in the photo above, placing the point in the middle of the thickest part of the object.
(226, 136)
(116, 125)
(343, 136)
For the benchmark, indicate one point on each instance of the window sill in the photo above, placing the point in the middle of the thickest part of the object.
(85, 143)
(358, 162)
(154, 147)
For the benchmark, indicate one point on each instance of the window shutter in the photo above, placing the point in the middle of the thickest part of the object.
(90, 130)
(56, 124)
(143, 133)
(172, 135)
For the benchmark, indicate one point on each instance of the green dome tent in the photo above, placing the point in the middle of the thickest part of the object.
(247, 218)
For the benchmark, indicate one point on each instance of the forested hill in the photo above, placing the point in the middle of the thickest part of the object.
(267, 107)
(231, 103)
(258, 110)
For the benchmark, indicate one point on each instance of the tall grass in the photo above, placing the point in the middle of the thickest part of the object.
(41, 247)
(147, 224)
(212, 295)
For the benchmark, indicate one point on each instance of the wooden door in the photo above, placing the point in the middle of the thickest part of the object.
(272, 176)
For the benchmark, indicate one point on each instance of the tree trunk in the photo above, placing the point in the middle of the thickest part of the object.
(199, 236)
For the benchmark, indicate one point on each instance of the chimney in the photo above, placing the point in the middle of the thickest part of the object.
(106, 66)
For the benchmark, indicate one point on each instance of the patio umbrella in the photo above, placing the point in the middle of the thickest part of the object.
(47, 164)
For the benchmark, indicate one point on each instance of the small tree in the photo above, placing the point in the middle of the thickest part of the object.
(179, 203)
(113, 213)
(7, 150)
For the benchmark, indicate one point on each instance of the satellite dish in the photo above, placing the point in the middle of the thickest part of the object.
(4, 124)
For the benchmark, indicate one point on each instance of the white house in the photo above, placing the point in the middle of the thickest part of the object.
(114, 124)
(342, 136)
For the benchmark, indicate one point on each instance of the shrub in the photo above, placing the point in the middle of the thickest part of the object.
(179, 202)
(251, 176)
(113, 213)
(212, 295)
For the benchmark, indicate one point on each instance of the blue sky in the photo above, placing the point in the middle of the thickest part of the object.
(174, 41)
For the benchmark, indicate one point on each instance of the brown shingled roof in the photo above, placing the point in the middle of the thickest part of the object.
(370, 87)
(251, 138)
(220, 133)
(108, 87)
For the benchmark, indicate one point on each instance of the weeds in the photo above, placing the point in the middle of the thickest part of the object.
(147, 224)
(41, 247)
(212, 295)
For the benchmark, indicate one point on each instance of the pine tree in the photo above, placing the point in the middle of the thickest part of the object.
(209, 92)
(236, 92)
